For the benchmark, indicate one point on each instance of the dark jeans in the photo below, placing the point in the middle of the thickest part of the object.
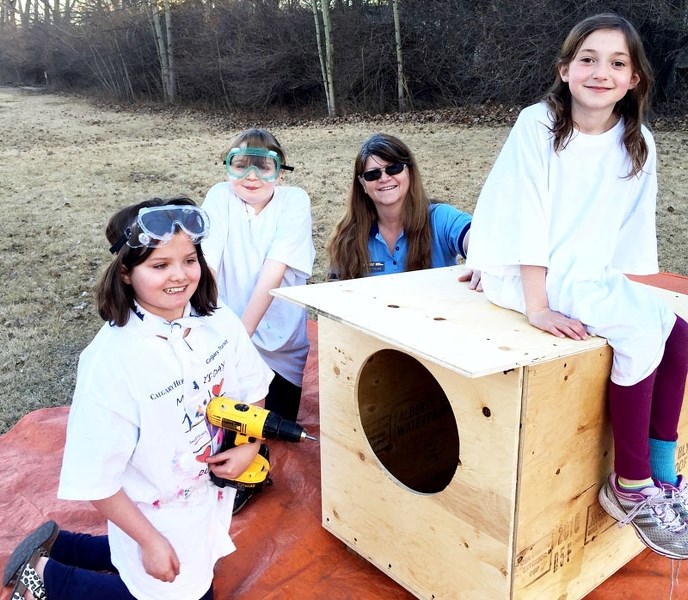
(80, 568)
(284, 398)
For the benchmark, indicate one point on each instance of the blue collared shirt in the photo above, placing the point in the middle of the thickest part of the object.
(449, 227)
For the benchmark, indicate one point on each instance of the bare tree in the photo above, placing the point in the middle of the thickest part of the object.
(321, 56)
(329, 54)
(7, 13)
(326, 61)
(260, 55)
(171, 63)
(401, 79)
(165, 47)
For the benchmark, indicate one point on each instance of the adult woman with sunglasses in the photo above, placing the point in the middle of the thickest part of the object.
(390, 225)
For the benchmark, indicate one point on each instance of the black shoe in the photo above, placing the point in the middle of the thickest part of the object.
(40, 540)
(243, 495)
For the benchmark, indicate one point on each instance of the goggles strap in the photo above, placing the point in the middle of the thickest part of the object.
(117, 246)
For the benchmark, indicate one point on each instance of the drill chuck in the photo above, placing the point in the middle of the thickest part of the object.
(277, 428)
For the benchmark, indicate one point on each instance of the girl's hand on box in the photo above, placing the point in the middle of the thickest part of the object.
(473, 277)
(557, 324)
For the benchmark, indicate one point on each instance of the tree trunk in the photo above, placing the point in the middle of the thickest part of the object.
(329, 57)
(401, 79)
(321, 57)
(159, 44)
(171, 64)
(67, 13)
(162, 43)
(26, 14)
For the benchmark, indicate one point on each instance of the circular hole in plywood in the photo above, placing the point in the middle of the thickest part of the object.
(408, 421)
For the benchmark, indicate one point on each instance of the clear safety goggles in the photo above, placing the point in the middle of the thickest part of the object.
(266, 164)
(155, 225)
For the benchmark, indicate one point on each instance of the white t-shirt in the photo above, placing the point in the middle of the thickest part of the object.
(236, 248)
(137, 423)
(577, 213)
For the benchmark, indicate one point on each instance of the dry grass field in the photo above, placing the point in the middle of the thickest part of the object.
(67, 165)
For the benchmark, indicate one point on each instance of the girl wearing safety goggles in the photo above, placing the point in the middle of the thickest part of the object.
(262, 239)
(390, 224)
(138, 444)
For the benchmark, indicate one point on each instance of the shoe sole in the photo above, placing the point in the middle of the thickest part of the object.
(42, 535)
(612, 508)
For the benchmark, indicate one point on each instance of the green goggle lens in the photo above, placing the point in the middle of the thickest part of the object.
(265, 164)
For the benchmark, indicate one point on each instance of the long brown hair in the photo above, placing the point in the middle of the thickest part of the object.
(347, 247)
(114, 297)
(632, 107)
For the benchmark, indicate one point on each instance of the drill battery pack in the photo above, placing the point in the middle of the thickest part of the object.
(255, 478)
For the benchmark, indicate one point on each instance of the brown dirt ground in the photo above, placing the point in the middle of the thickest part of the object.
(66, 165)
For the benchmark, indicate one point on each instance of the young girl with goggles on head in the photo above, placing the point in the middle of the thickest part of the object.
(138, 445)
(262, 239)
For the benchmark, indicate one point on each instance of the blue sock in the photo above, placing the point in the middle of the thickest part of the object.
(663, 461)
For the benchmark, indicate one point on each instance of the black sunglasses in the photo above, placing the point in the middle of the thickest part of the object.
(375, 174)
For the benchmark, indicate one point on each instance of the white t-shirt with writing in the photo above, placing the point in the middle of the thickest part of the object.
(137, 423)
(238, 244)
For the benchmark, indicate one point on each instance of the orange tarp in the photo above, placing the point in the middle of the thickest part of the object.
(282, 550)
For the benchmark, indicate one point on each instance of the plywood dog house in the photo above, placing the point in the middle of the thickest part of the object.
(462, 450)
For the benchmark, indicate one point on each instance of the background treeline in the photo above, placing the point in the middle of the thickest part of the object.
(317, 57)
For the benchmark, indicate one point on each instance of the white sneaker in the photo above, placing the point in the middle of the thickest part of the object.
(651, 513)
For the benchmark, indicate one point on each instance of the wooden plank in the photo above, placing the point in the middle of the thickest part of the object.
(430, 314)
(566, 545)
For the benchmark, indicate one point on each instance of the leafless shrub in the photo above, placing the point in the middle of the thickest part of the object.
(262, 55)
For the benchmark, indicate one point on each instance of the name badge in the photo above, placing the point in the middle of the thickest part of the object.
(376, 267)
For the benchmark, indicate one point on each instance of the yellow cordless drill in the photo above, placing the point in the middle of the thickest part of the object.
(248, 423)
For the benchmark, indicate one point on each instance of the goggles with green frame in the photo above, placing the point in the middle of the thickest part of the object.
(154, 226)
(266, 164)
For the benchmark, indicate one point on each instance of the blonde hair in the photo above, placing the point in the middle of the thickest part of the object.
(255, 138)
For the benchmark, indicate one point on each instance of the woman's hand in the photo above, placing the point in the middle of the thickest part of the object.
(159, 559)
(473, 277)
(231, 463)
(557, 324)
